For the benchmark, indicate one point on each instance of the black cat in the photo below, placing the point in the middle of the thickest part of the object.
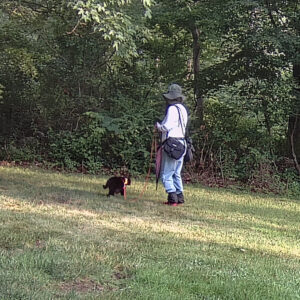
(116, 185)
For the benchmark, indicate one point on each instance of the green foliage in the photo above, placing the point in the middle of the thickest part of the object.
(116, 20)
(83, 80)
(107, 141)
(239, 136)
(26, 150)
(292, 186)
(71, 150)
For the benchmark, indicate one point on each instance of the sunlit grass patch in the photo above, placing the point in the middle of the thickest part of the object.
(62, 237)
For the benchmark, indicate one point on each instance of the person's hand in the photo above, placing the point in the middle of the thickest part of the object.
(157, 125)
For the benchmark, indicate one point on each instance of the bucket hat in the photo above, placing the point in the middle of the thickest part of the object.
(174, 92)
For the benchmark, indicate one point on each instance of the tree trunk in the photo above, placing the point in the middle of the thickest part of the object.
(196, 70)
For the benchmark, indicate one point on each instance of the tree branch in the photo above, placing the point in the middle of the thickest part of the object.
(74, 29)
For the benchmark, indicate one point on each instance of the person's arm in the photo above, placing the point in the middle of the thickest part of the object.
(170, 121)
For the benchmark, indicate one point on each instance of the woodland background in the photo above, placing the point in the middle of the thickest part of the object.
(81, 85)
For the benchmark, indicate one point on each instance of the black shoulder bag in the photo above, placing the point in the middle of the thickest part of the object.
(173, 147)
(189, 150)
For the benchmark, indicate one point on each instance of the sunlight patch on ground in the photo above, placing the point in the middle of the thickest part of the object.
(230, 229)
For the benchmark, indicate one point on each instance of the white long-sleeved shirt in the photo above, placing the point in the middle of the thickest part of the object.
(170, 126)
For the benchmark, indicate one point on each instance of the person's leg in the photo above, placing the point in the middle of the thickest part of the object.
(177, 180)
(167, 172)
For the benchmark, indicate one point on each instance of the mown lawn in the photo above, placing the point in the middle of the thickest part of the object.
(62, 238)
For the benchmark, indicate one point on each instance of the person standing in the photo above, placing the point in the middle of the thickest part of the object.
(173, 125)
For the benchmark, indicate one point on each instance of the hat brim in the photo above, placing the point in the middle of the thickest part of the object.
(173, 96)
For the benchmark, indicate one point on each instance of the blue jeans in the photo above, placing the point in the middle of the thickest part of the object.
(171, 174)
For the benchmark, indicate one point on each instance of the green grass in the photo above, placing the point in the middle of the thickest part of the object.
(62, 238)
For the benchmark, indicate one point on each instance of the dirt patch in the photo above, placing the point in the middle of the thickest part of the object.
(84, 285)
(120, 273)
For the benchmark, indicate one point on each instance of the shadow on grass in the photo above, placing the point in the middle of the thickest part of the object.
(86, 193)
(131, 242)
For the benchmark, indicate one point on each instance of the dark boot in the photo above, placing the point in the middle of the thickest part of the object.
(180, 198)
(172, 199)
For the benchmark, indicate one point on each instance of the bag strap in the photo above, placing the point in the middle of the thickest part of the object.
(187, 133)
(180, 120)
